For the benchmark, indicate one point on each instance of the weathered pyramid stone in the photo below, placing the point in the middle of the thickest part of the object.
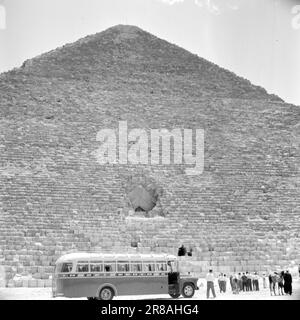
(241, 214)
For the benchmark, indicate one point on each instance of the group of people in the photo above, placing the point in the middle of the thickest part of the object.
(239, 282)
(282, 282)
(244, 282)
(182, 251)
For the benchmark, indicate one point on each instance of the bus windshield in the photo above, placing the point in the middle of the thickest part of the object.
(63, 267)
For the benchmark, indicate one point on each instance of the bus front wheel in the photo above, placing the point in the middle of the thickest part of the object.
(106, 293)
(188, 290)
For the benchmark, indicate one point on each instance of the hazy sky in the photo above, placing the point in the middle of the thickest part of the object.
(256, 39)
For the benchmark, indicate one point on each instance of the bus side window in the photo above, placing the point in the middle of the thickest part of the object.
(82, 267)
(161, 266)
(136, 266)
(107, 268)
(96, 267)
(67, 267)
(123, 266)
(149, 266)
(110, 266)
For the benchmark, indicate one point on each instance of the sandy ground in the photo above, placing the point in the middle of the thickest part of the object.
(45, 294)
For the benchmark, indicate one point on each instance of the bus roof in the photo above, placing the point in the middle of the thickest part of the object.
(85, 256)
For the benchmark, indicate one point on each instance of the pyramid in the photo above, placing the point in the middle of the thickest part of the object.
(241, 213)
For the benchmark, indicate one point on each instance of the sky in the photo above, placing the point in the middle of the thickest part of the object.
(256, 39)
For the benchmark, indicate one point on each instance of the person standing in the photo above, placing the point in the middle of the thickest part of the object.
(210, 279)
(288, 283)
(280, 283)
(271, 282)
(255, 282)
(182, 251)
(224, 284)
(240, 282)
(237, 281)
(249, 281)
(220, 279)
(231, 283)
(244, 281)
(264, 281)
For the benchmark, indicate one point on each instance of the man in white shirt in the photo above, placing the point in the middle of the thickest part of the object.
(255, 282)
(210, 278)
(264, 277)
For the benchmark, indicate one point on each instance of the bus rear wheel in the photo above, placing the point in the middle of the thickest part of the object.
(188, 290)
(174, 295)
(106, 293)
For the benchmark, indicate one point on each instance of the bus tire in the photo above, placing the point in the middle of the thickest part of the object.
(188, 290)
(174, 295)
(106, 293)
(91, 298)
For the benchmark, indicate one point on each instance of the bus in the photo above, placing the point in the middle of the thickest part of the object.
(105, 276)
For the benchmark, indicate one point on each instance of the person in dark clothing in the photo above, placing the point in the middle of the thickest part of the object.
(224, 283)
(244, 282)
(249, 282)
(182, 251)
(280, 283)
(231, 283)
(287, 277)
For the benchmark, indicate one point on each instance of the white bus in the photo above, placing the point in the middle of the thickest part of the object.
(103, 276)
